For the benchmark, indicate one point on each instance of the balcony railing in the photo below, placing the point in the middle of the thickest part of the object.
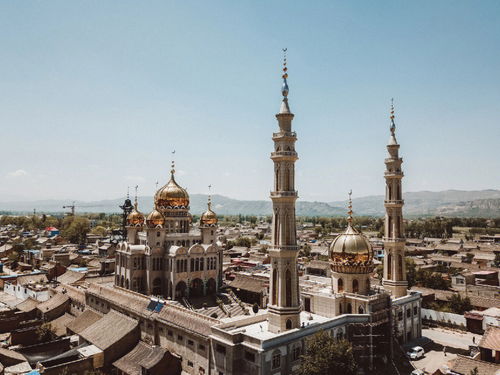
(283, 193)
(284, 153)
(394, 202)
(285, 134)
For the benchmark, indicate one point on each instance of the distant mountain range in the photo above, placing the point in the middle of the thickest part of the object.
(458, 203)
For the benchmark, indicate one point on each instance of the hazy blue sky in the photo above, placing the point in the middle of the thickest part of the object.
(94, 95)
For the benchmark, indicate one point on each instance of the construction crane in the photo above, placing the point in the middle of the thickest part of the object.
(73, 206)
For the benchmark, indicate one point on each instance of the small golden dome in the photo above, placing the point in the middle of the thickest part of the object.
(135, 218)
(155, 218)
(209, 217)
(172, 195)
(351, 246)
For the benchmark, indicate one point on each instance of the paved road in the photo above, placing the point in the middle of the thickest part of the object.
(433, 341)
(451, 338)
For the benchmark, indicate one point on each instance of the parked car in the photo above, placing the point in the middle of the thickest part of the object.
(416, 352)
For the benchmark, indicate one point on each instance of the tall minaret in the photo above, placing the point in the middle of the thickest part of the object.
(284, 307)
(394, 241)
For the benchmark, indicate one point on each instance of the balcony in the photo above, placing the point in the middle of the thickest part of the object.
(277, 194)
(285, 134)
(283, 153)
(394, 202)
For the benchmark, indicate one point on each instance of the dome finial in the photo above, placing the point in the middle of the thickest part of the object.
(135, 201)
(393, 125)
(209, 203)
(128, 192)
(284, 88)
(349, 212)
(172, 170)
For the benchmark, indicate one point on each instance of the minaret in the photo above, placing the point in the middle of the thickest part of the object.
(394, 241)
(284, 307)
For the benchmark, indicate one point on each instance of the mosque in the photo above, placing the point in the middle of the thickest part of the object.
(163, 254)
(166, 256)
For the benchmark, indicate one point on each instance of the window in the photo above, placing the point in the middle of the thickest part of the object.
(415, 310)
(340, 284)
(190, 364)
(201, 347)
(355, 286)
(249, 356)
(408, 313)
(288, 324)
(296, 353)
(276, 361)
(400, 315)
(170, 333)
(220, 349)
(190, 342)
(180, 338)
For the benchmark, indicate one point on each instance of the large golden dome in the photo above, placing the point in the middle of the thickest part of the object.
(135, 218)
(351, 247)
(209, 217)
(154, 219)
(172, 195)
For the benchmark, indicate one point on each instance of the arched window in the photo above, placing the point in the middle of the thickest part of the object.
(389, 266)
(340, 285)
(355, 286)
(340, 308)
(275, 287)
(400, 267)
(367, 284)
(349, 308)
(288, 283)
(361, 310)
(288, 324)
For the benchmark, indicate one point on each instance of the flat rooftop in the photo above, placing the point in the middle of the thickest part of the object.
(259, 330)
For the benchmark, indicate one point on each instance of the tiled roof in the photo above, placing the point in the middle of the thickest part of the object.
(110, 329)
(84, 320)
(28, 304)
(187, 319)
(246, 282)
(38, 278)
(60, 324)
(70, 277)
(464, 365)
(491, 338)
(142, 356)
(56, 301)
(121, 298)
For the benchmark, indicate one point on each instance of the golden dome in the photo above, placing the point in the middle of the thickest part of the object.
(135, 217)
(209, 217)
(351, 246)
(155, 218)
(172, 195)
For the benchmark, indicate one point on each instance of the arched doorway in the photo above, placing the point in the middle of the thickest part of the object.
(211, 286)
(157, 286)
(180, 290)
(288, 324)
(340, 284)
(196, 288)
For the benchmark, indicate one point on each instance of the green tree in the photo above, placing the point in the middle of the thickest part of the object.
(411, 272)
(459, 305)
(99, 230)
(75, 229)
(45, 332)
(324, 355)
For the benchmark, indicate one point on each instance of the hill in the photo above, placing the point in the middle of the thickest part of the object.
(483, 203)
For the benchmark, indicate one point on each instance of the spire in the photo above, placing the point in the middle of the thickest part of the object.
(392, 139)
(135, 201)
(172, 166)
(209, 203)
(349, 212)
(128, 192)
(284, 88)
